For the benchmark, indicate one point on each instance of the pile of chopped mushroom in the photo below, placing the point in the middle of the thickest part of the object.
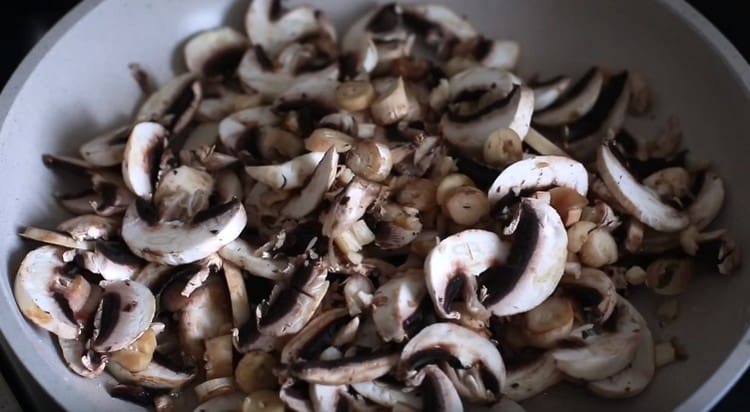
(318, 223)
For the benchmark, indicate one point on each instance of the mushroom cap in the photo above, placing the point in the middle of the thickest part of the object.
(461, 348)
(395, 301)
(539, 173)
(633, 379)
(639, 200)
(176, 243)
(125, 312)
(536, 263)
(140, 163)
(33, 286)
(452, 266)
(604, 354)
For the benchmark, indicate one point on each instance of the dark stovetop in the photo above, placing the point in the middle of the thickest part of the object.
(25, 22)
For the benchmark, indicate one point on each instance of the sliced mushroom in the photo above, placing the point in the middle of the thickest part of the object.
(73, 352)
(126, 311)
(633, 379)
(578, 100)
(296, 62)
(295, 395)
(508, 105)
(272, 27)
(535, 264)
(350, 206)
(34, 290)
(531, 379)
(595, 293)
(140, 164)
(291, 307)
(206, 314)
(239, 131)
(451, 270)
(498, 54)
(349, 369)
(110, 259)
(310, 197)
(241, 253)
(292, 174)
(438, 24)
(90, 227)
(183, 192)
(396, 302)
(314, 337)
(387, 394)
(55, 238)
(173, 104)
(606, 353)
(549, 91)
(215, 52)
(637, 199)
(219, 357)
(538, 173)
(106, 150)
(549, 322)
(175, 243)
(438, 392)
(237, 294)
(708, 200)
(471, 361)
(247, 337)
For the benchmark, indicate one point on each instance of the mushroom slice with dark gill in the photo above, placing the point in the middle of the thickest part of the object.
(289, 175)
(594, 292)
(36, 289)
(451, 269)
(291, 306)
(314, 337)
(508, 105)
(708, 201)
(140, 164)
(538, 173)
(111, 259)
(358, 367)
(470, 360)
(535, 264)
(548, 91)
(637, 199)
(126, 311)
(272, 27)
(239, 131)
(175, 242)
(173, 104)
(605, 352)
(636, 376)
(388, 394)
(575, 102)
(438, 392)
(311, 195)
(397, 304)
(215, 52)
